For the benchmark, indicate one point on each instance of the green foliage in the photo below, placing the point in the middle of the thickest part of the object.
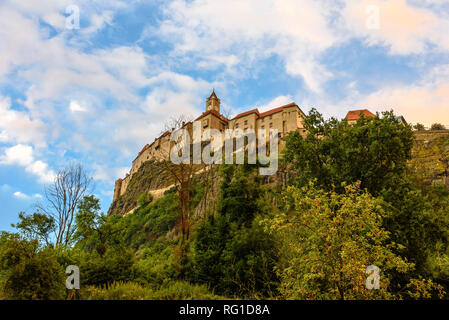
(149, 223)
(231, 253)
(307, 241)
(88, 218)
(373, 151)
(419, 127)
(115, 265)
(417, 221)
(36, 226)
(144, 199)
(327, 240)
(157, 265)
(28, 272)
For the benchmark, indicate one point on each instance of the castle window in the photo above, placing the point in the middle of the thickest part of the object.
(246, 129)
(271, 125)
(271, 117)
(237, 125)
(246, 122)
(263, 127)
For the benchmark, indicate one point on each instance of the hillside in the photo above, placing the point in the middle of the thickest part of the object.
(430, 156)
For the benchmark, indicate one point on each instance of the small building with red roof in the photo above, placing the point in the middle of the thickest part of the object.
(355, 115)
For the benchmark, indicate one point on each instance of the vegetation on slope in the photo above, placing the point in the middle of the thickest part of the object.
(351, 201)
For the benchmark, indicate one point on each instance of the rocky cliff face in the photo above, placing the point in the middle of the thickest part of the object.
(148, 177)
(431, 156)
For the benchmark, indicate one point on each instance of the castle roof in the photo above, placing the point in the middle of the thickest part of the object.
(355, 114)
(266, 113)
(256, 111)
(213, 95)
(215, 113)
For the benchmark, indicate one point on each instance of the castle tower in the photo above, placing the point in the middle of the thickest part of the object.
(213, 103)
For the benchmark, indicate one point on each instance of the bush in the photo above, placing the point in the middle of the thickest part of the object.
(116, 265)
(437, 126)
(28, 273)
(144, 199)
(157, 265)
(419, 127)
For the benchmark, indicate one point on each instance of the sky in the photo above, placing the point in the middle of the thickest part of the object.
(96, 92)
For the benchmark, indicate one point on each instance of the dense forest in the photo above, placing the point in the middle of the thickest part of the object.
(345, 197)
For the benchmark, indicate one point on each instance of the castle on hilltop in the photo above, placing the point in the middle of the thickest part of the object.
(284, 119)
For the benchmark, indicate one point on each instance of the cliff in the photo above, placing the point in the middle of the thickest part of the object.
(148, 177)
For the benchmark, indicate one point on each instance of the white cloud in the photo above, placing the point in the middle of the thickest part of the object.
(22, 155)
(24, 196)
(20, 195)
(19, 154)
(76, 107)
(426, 101)
(17, 126)
(405, 27)
(276, 102)
(240, 33)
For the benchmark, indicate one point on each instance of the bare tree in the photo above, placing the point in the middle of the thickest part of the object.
(70, 185)
(183, 176)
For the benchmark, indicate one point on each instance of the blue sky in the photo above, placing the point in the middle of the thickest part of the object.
(97, 94)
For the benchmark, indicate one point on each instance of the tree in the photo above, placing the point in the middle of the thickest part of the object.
(183, 175)
(419, 127)
(36, 226)
(326, 242)
(437, 126)
(62, 198)
(374, 151)
(93, 229)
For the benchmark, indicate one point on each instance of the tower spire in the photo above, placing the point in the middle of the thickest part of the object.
(213, 103)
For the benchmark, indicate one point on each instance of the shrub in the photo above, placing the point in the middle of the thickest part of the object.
(437, 126)
(28, 273)
(144, 199)
(419, 127)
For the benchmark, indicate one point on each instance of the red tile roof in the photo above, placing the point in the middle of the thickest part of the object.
(215, 113)
(247, 113)
(355, 114)
(266, 113)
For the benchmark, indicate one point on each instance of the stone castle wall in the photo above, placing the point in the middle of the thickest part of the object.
(285, 119)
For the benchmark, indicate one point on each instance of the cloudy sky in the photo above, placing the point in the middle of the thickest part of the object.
(96, 94)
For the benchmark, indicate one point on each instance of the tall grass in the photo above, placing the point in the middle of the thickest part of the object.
(133, 291)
